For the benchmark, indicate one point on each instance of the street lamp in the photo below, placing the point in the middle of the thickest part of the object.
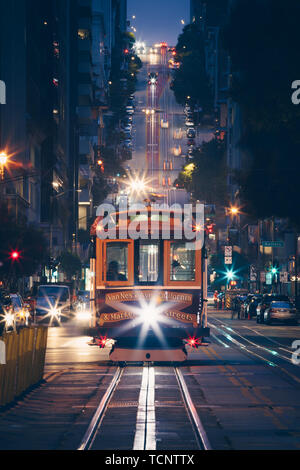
(3, 162)
(230, 275)
(233, 210)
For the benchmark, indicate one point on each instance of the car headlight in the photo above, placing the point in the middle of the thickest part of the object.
(9, 319)
(54, 312)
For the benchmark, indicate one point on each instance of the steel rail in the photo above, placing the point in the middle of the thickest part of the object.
(95, 423)
(248, 351)
(258, 346)
(199, 429)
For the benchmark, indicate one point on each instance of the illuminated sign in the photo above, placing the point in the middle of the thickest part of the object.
(121, 316)
(134, 296)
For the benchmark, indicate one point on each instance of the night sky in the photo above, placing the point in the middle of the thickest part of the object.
(158, 20)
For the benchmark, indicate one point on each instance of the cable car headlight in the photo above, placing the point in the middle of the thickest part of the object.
(150, 315)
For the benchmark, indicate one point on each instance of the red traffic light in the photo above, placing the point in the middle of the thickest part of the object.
(15, 255)
(210, 228)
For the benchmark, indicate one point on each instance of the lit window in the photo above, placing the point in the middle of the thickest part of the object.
(149, 262)
(182, 262)
(83, 34)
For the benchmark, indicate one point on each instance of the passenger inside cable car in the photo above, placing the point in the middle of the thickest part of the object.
(113, 273)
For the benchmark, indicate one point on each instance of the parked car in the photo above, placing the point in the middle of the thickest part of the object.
(127, 143)
(60, 293)
(256, 299)
(7, 315)
(47, 309)
(191, 133)
(83, 305)
(21, 310)
(210, 296)
(265, 303)
(189, 123)
(130, 102)
(281, 311)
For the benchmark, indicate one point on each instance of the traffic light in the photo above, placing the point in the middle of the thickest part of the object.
(101, 165)
(15, 255)
(210, 228)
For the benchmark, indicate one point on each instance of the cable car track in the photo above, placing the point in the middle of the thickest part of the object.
(257, 353)
(145, 427)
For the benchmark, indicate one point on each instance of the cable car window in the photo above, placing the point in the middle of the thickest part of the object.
(117, 261)
(149, 262)
(182, 263)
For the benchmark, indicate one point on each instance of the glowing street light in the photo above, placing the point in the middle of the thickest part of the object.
(3, 158)
(3, 162)
(234, 210)
(230, 275)
(137, 185)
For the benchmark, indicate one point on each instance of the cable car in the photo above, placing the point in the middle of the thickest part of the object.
(148, 293)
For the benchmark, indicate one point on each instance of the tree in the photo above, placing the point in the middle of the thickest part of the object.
(206, 176)
(190, 79)
(23, 249)
(70, 264)
(262, 39)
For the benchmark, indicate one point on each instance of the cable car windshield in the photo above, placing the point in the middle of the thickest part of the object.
(148, 262)
(117, 261)
(182, 262)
